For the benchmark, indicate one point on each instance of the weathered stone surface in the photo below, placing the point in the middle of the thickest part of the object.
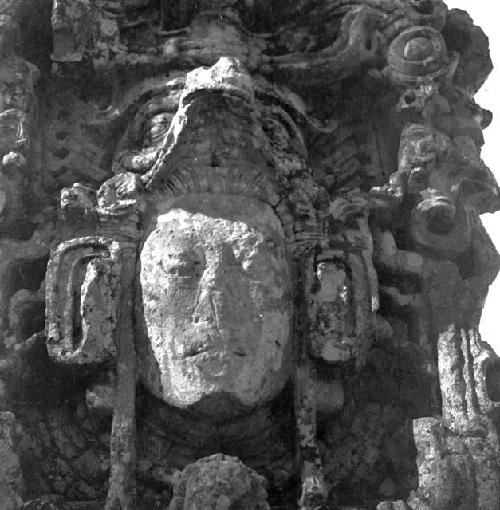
(11, 480)
(253, 232)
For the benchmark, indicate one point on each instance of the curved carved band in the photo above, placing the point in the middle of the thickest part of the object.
(82, 288)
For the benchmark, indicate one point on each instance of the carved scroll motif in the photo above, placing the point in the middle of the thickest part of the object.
(105, 33)
(419, 62)
(83, 286)
(417, 55)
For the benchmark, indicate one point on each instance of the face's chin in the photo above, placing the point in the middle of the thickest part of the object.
(207, 385)
(250, 368)
(216, 304)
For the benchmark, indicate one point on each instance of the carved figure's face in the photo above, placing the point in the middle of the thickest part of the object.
(442, 188)
(216, 298)
(440, 220)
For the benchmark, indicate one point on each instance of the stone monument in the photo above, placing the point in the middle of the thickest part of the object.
(243, 264)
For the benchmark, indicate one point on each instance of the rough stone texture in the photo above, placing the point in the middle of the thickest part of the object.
(11, 480)
(252, 229)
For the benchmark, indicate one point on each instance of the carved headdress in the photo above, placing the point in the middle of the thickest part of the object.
(215, 131)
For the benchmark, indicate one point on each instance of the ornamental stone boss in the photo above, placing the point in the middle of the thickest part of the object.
(243, 264)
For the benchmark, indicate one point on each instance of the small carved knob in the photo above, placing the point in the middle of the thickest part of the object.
(219, 482)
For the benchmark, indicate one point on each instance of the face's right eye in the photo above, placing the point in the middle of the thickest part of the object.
(182, 269)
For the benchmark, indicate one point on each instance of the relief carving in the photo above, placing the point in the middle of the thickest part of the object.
(254, 234)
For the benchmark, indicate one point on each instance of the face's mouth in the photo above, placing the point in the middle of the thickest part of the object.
(439, 224)
(210, 347)
(196, 348)
(212, 363)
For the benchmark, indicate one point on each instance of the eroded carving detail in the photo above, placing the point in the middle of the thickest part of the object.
(267, 267)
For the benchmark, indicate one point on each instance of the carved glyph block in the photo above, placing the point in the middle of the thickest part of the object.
(340, 309)
(82, 294)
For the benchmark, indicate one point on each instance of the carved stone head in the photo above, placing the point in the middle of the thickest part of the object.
(214, 302)
(224, 220)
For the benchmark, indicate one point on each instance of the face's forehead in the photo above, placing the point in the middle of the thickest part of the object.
(220, 218)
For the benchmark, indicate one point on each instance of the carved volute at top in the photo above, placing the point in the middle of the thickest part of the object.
(252, 232)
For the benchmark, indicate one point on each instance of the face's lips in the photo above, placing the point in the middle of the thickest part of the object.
(201, 344)
(211, 347)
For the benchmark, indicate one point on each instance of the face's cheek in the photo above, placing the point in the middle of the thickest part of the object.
(237, 313)
(267, 364)
(271, 314)
(275, 346)
(168, 307)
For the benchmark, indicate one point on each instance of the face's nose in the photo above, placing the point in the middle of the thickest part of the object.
(223, 290)
(208, 306)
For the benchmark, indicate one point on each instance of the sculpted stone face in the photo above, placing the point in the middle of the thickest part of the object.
(442, 172)
(215, 290)
(445, 179)
(439, 221)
